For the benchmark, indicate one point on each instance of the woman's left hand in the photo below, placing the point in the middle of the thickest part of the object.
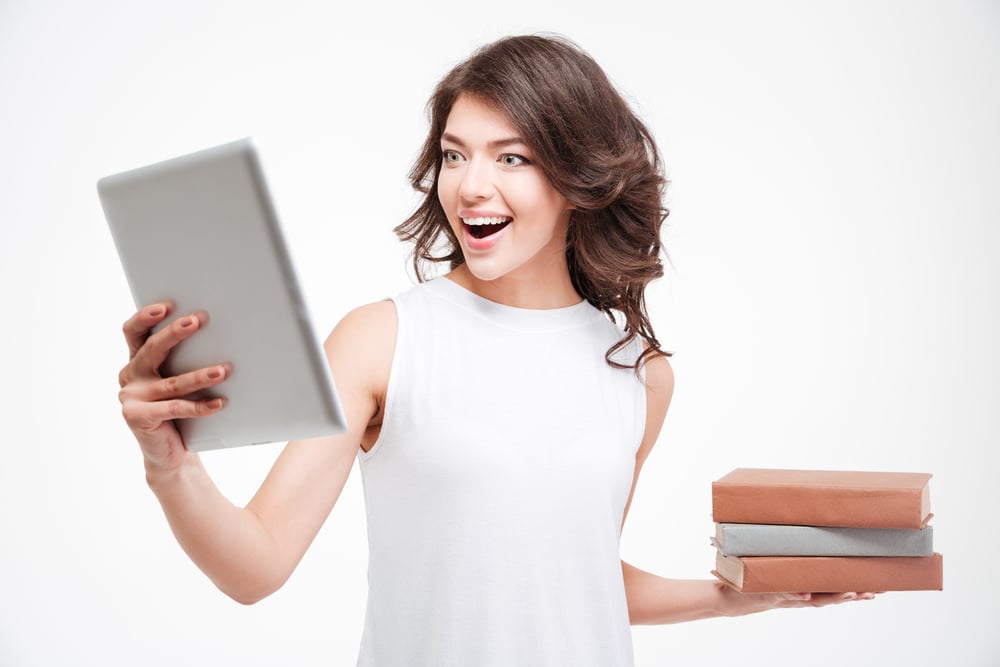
(739, 604)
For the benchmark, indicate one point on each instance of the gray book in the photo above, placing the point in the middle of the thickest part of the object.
(755, 539)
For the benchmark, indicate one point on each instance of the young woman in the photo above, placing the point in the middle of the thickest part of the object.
(501, 413)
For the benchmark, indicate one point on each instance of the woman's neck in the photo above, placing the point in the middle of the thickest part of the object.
(521, 290)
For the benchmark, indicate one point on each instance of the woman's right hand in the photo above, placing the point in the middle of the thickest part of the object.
(150, 402)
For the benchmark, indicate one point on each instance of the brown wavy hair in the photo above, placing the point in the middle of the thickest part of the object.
(593, 149)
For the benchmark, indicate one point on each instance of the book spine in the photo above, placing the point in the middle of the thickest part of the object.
(818, 505)
(819, 574)
(746, 539)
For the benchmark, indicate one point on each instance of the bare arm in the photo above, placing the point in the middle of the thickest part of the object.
(250, 552)
(653, 599)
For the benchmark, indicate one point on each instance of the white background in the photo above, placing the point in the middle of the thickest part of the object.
(832, 296)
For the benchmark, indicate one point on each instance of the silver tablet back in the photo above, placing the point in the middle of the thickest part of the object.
(200, 231)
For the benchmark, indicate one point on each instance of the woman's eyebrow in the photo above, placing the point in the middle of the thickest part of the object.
(496, 143)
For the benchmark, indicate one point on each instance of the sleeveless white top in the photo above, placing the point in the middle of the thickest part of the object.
(496, 489)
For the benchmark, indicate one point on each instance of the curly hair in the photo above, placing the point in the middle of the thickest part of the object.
(593, 149)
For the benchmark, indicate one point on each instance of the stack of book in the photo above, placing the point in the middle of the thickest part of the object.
(812, 531)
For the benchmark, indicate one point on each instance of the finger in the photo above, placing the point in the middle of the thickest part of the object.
(179, 386)
(144, 416)
(137, 327)
(157, 347)
(856, 596)
(824, 599)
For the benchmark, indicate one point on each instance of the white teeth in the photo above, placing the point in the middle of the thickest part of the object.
(485, 221)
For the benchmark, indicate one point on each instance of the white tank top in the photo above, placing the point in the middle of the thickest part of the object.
(496, 489)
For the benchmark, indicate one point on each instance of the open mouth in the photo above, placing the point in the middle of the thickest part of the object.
(480, 228)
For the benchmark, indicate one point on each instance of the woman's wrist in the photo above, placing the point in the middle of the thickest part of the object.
(164, 474)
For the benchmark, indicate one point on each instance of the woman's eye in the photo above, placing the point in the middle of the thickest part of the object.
(512, 160)
(450, 156)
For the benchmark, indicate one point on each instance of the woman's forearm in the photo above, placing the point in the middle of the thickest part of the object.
(655, 600)
(228, 543)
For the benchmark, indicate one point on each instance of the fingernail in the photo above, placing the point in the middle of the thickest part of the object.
(216, 404)
(215, 373)
(156, 311)
(187, 322)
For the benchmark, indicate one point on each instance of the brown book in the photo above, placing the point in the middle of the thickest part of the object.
(858, 499)
(830, 574)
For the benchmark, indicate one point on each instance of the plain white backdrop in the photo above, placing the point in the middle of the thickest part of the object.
(832, 297)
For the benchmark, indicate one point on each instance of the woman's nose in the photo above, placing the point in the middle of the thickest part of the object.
(477, 181)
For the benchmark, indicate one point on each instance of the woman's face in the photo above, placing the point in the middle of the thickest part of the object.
(508, 218)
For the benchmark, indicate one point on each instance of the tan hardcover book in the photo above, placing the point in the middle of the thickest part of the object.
(830, 574)
(852, 498)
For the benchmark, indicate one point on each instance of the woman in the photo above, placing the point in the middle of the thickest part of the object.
(500, 414)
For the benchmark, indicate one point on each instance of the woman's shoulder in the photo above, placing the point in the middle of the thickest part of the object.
(369, 318)
(659, 376)
(364, 339)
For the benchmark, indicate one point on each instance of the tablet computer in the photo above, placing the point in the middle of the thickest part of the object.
(200, 231)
